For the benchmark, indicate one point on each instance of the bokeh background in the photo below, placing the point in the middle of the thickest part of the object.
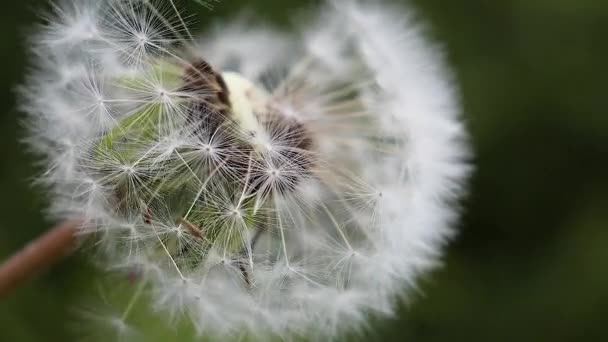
(531, 261)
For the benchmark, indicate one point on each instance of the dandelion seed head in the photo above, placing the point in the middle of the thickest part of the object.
(259, 182)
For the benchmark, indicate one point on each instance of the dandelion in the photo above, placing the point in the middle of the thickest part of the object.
(259, 182)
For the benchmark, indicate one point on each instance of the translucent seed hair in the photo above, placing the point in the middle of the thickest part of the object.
(257, 182)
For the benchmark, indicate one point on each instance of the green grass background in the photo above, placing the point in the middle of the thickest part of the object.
(531, 261)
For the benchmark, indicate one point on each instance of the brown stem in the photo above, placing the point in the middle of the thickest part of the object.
(37, 256)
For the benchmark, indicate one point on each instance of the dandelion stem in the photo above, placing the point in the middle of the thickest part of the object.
(37, 256)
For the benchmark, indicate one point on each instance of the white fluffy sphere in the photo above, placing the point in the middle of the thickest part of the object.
(259, 182)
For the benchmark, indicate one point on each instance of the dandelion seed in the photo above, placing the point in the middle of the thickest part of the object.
(259, 182)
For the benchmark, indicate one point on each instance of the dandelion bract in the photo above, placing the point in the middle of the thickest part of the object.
(259, 182)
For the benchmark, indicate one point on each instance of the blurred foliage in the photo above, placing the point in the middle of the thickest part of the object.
(530, 262)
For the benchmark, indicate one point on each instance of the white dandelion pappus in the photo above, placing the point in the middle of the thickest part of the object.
(261, 183)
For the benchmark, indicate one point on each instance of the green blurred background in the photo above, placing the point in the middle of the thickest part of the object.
(530, 263)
